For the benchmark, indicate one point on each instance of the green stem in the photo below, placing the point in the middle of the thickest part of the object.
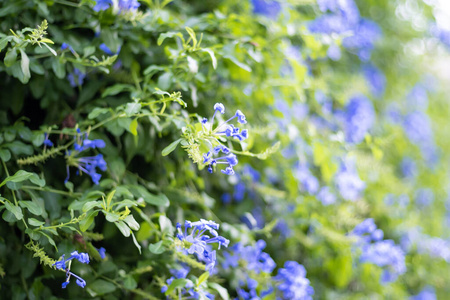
(45, 189)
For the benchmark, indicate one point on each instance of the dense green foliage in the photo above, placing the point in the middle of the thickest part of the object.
(142, 80)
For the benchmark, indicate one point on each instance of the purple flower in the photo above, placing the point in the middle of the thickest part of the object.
(76, 78)
(102, 252)
(376, 80)
(363, 40)
(108, 51)
(197, 243)
(348, 182)
(102, 5)
(47, 142)
(359, 117)
(307, 179)
(293, 283)
(254, 258)
(61, 265)
(219, 107)
(427, 293)
(128, 5)
(267, 8)
(326, 196)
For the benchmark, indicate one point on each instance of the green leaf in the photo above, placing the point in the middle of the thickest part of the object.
(238, 63)
(166, 151)
(133, 127)
(166, 35)
(166, 225)
(50, 49)
(58, 68)
(86, 222)
(5, 155)
(132, 222)
(136, 243)
(4, 42)
(10, 57)
(116, 89)
(91, 204)
(220, 289)
(101, 287)
(34, 222)
(123, 228)
(34, 178)
(132, 108)
(212, 55)
(20, 175)
(25, 65)
(111, 217)
(33, 207)
(97, 112)
(192, 35)
(88, 51)
(158, 200)
(157, 248)
(109, 199)
(15, 210)
(129, 283)
(176, 283)
(203, 278)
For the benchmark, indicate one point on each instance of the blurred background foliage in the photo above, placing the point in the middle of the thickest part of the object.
(347, 109)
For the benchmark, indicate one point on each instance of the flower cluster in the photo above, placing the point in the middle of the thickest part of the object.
(242, 187)
(348, 182)
(375, 79)
(221, 131)
(188, 290)
(252, 257)
(248, 290)
(267, 8)
(87, 164)
(344, 18)
(199, 244)
(292, 282)
(375, 250)
(124, 5)
(359, 117)
(61, 265)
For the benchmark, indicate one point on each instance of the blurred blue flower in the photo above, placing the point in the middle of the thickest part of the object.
(348, 182)
(363, 39)
(292, 282)
(417, 98)
(326, 196)
(385, 254)
(408, 167)
(102, 5)
(76, 78)
(376, 80)
(359, 118)
(268, 8)
(424, 197)
(102, 252)
(108, 51)
(47, 142)
(128, 5)
(307, 180)
(427, 293)
(252, 256)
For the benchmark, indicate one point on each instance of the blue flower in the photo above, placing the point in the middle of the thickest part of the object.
(363, 40)
(108, 51)
(408, 167)
(427, 293)
(418, 98)
(198, 244)
(219, 107)
(65, 46)
(385, 254)
(241, 117)
(102, 252)
(267, 8)
(128, 5)
(252, 257)
(359, 119)
(61, 265)
(326, 196)
(424, 197)
(102, 5)
(47, 142)
(76, 78)
(376, 80)
(348, 182)
(293, 283)
(307, 179)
